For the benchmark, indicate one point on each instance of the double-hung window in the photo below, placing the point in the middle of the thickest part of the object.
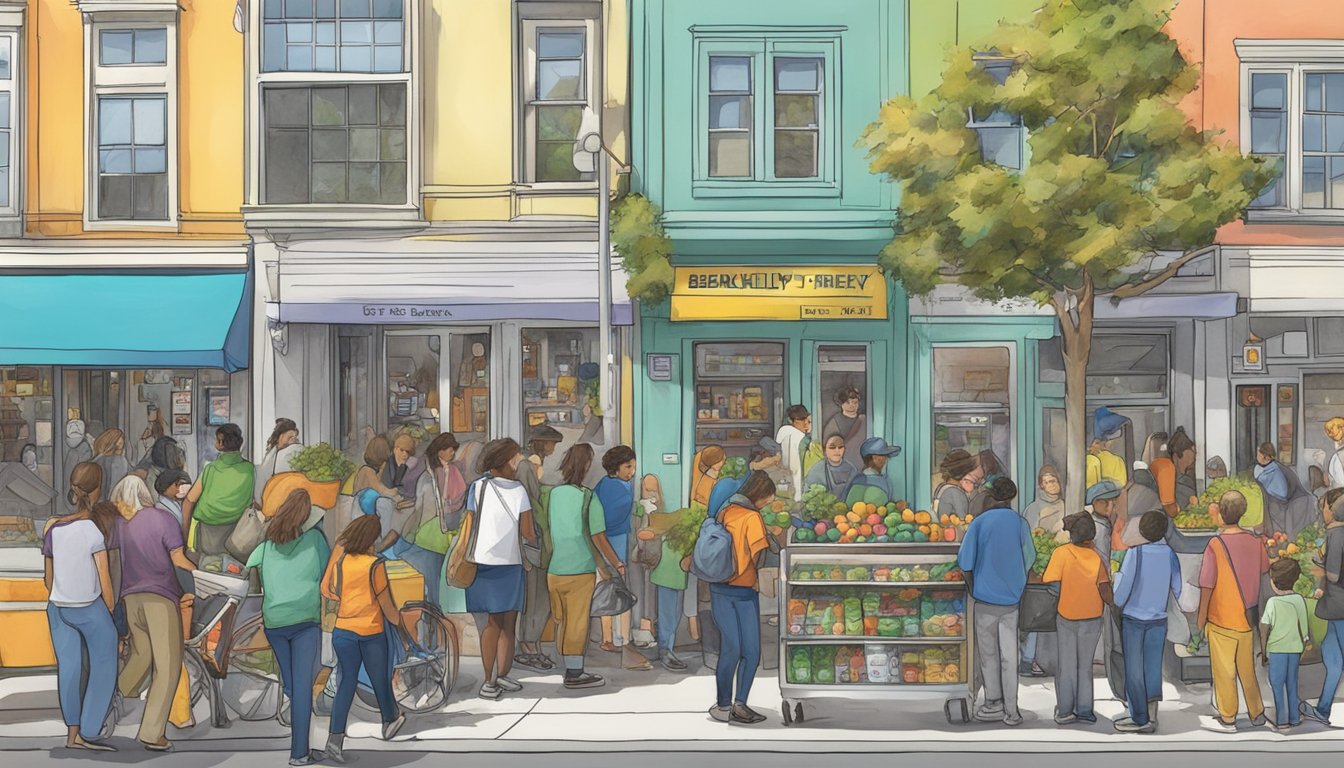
(1292, 113)
(335, 83)
(9, 123)
(559, 83)
(1000, 133)
(133, 126)
(765, 116)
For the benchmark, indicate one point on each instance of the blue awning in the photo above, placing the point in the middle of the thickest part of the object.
(126, 320)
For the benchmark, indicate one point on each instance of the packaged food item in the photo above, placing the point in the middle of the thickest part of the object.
(823, 668)
(912, 668)
(841, 664)
(800, 666)
(879, 663)
(858, 665)
(797, 616)
(853, 616)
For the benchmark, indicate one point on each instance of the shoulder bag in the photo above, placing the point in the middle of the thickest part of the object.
(247, 534)
(460, 571)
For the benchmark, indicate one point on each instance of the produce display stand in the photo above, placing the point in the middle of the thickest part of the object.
(874, 622)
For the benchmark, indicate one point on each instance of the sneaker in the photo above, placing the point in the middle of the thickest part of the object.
(584, 680)
(508, 684)
(1013, 720)
(1312, 713)
(1260, 720)
(1217, 725)
(390, 730)
(673, 664)
(1089, 719)
(336, 748)
(1068, 719)
(1030, 669)
(643, 638)
(534, 661)
(1284, 728)
(1129, 726)
(989, 713)
(312, 758)
(489, 691)
(722, 714)
(741, 713)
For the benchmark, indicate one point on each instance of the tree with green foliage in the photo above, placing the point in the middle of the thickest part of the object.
(1114, 174)
(637, 236)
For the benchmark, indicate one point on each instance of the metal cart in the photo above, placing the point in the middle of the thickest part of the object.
(922, 627)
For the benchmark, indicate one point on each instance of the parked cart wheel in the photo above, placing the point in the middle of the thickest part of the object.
(787, 711)
(957, 711)
(798, 712)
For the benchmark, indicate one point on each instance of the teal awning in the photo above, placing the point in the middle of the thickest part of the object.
(126, 320)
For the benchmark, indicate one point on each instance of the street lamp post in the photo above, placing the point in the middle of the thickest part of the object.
(596, 154)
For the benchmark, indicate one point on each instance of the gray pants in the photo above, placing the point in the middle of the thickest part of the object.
(1077, 650)
(996, 650)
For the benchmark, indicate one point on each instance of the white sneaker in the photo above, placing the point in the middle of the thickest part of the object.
(489, 692)
(508, 684)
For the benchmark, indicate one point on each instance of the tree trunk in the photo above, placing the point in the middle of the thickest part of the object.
(1075, 324)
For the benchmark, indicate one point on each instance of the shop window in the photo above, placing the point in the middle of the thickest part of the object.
(559, 379)
(739, 394)
(1050, 360)
(1329, 336)
(27, 443)
(972, 399)
(412, 380)
(469, 366)
(353, 356)
(1285, 401)
(842, 379)
(1322, 400)
(336, 144)
(1254, 411)
(1131, 366)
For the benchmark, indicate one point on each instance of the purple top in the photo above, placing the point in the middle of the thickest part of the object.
(145, 541)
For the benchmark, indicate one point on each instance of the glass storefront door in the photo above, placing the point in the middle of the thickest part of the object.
(972, 405)
(842, 396)
(437, 379)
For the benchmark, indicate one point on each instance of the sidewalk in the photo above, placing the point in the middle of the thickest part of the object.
(662, 711)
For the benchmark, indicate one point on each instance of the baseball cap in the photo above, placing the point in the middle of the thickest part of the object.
(1103, 489)
(876, 446)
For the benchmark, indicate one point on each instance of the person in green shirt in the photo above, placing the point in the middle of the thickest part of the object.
(290, 564)
(574, 526)
(220, 496)
(1283, 638)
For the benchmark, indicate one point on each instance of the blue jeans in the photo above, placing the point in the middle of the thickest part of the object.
(1141, 643)
(352, 650)
(669, 617)
(75, 633)
(1283, 682)
(737, 612)
(297, 649)
(1029, 648)
(1332, 654)
(428, 564)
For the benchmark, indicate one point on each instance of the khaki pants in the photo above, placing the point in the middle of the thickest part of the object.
(156, 646)
(571, 604)
(1232, 656)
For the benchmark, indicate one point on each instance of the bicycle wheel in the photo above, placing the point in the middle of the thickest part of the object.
(420, 681)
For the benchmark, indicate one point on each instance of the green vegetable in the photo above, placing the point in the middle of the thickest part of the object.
(683, 534)
(322, 464)
(734, 467)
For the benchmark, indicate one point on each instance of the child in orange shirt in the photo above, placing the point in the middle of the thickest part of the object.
(1084, 590)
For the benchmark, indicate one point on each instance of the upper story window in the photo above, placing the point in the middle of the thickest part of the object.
(1292, 111)
(333, 36)
(1000, 133)
(334, 101)
(559, 85)
(9, 104)
(132, 179)
(118, 47)
(765, 117)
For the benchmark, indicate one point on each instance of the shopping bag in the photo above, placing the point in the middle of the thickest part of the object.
(612, 597)
(460, 571)
(247, 534)
(648, 552)
(1039, 609)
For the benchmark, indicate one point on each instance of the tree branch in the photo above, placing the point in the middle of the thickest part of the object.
(1131, 290)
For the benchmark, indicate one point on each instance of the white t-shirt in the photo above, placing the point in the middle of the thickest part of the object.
(790, 440)
(503, 503)
(74, 575)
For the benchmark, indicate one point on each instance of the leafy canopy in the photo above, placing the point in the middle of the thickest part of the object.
(1114, 172)
(637, 236)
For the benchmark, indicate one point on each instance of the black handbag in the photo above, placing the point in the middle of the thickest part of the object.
(1039, 608)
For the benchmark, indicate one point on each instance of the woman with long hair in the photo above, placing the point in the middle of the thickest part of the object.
(290, 564)
(575, 527)
(151, 544)
(78, 578)
(357, 580)
(280, 448)
(164, 455)
(109, 453)
(501, 511)
(440, 498)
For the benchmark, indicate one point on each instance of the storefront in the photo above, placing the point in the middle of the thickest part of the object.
(737, 345)
(479, 339)
(133, 359)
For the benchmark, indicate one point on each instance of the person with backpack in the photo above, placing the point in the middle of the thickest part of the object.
(728, 556)
(1148, 575)
(357, 579)
(573, 525)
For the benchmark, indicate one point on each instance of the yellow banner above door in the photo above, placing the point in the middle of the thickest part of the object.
(779, 293)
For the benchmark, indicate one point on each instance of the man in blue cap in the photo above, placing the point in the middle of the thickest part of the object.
(1102, 462)
(875, 452)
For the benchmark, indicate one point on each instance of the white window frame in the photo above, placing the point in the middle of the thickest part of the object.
(321, 214)
(593, 78)
(129, 80)
(11, 27)
(1296, 59)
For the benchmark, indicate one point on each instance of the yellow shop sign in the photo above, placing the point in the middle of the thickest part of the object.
(779, 293)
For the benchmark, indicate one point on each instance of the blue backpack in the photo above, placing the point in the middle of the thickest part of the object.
(712, 559)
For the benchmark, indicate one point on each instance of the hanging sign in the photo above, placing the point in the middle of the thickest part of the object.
(779, 293)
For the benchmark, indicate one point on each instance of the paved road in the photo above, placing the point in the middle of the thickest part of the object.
(1238, 759)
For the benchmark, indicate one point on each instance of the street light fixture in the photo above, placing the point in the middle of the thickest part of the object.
(590, 156)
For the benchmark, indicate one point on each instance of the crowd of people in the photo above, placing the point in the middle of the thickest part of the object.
(535, 562)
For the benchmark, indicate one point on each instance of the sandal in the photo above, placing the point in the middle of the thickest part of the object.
(632, 659)
(609, 647)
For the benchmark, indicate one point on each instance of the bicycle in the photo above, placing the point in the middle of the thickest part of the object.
(424, 662)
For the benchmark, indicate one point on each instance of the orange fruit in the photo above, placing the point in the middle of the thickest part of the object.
(865, 530)
(944, 520)
(907, 516)
(843, 527)
(923, 518)
(871, 509)
(860, 508)
(840, 520)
